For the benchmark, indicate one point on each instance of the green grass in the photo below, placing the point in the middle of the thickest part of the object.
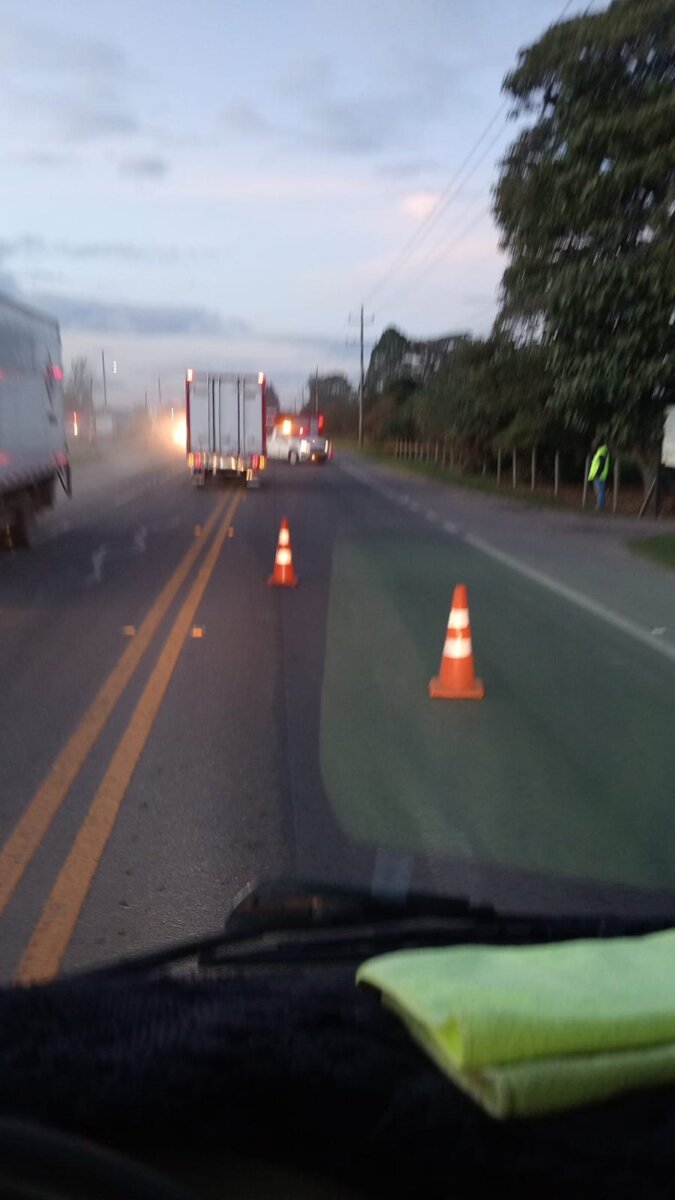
(477, 483)
(660, 549)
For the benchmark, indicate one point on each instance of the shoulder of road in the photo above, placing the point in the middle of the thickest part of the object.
(584, 556)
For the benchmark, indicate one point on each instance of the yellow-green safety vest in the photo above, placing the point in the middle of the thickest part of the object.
(600, 465)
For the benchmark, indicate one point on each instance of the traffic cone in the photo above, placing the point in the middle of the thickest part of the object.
(456, 679)
(283, 574)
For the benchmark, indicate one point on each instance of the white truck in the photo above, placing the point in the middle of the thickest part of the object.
(33, 451)
(225, 425)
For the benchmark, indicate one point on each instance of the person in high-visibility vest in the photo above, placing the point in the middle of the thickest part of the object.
(599, 473)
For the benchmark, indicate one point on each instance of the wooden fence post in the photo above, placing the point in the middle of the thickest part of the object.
(515, 468)
(499, 468)
(556, 474)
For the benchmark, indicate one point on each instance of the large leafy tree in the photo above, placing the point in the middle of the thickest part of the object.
(585, 203)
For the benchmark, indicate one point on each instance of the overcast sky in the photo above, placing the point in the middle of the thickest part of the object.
(220, 182)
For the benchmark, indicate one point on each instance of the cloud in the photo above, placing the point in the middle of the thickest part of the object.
(9, 284)
(84, 121)
(244, 120)
(75, 86)
(39, 49)
(27, 247)
(24, 245)
(407, 168)
(420, 204)
(94, 316)
(47, 159)
(387, 114)
(148, 166)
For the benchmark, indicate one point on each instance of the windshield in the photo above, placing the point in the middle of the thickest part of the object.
(336, 462)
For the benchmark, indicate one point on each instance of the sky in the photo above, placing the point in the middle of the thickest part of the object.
(221, 183)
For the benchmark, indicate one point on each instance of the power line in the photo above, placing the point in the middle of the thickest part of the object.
(452, 190)
(438, 257)
(444, 200)
(439, 213)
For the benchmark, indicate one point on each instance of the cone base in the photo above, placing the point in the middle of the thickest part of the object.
(272, 582)
(438, 690)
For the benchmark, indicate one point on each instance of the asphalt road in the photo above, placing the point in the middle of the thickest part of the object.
(171, 728)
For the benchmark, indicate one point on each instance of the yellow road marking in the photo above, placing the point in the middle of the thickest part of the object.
(55, 927)
(32, 826)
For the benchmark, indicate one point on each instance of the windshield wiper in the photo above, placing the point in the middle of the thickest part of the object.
(286, 922)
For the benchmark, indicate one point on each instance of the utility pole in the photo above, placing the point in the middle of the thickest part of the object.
(362, 322)
(159, 390)
(105, 390)
(316, 398)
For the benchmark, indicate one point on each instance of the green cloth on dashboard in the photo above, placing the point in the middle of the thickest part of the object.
(534, 1029)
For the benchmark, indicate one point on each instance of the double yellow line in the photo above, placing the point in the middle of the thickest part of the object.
(56, 924)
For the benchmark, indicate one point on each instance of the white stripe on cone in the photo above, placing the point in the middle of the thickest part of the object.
(283, 557)
(459, 619)
(457, 648)
(284, 537)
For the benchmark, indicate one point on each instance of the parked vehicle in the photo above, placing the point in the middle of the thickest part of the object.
(33, 450)
(296, 440)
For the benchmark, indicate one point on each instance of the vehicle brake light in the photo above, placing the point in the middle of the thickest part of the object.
(254, 462)
(321, 422)
(55, 372)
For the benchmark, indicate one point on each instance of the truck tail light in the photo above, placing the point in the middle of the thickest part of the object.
(255, 462)
(263, 461)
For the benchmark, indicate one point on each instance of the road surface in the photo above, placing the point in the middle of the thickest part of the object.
(171, 728)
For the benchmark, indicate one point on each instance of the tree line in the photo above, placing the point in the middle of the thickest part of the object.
(582, 347)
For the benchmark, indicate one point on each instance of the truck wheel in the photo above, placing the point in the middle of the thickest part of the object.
(293, 458)
(20, 529)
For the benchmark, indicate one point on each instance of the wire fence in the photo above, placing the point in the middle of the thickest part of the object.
(552, 477)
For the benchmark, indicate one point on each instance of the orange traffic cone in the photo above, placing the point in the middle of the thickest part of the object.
(456, 679)
(283, 574)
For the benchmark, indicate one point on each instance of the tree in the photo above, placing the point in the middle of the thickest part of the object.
(585, 204)
(386, 359)
(333, 389)
(77, 392)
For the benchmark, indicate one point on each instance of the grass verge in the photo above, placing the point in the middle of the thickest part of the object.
(477, 483)
(660, 549)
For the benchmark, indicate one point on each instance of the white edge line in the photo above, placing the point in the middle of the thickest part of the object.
(623, 624)
(561, 589)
